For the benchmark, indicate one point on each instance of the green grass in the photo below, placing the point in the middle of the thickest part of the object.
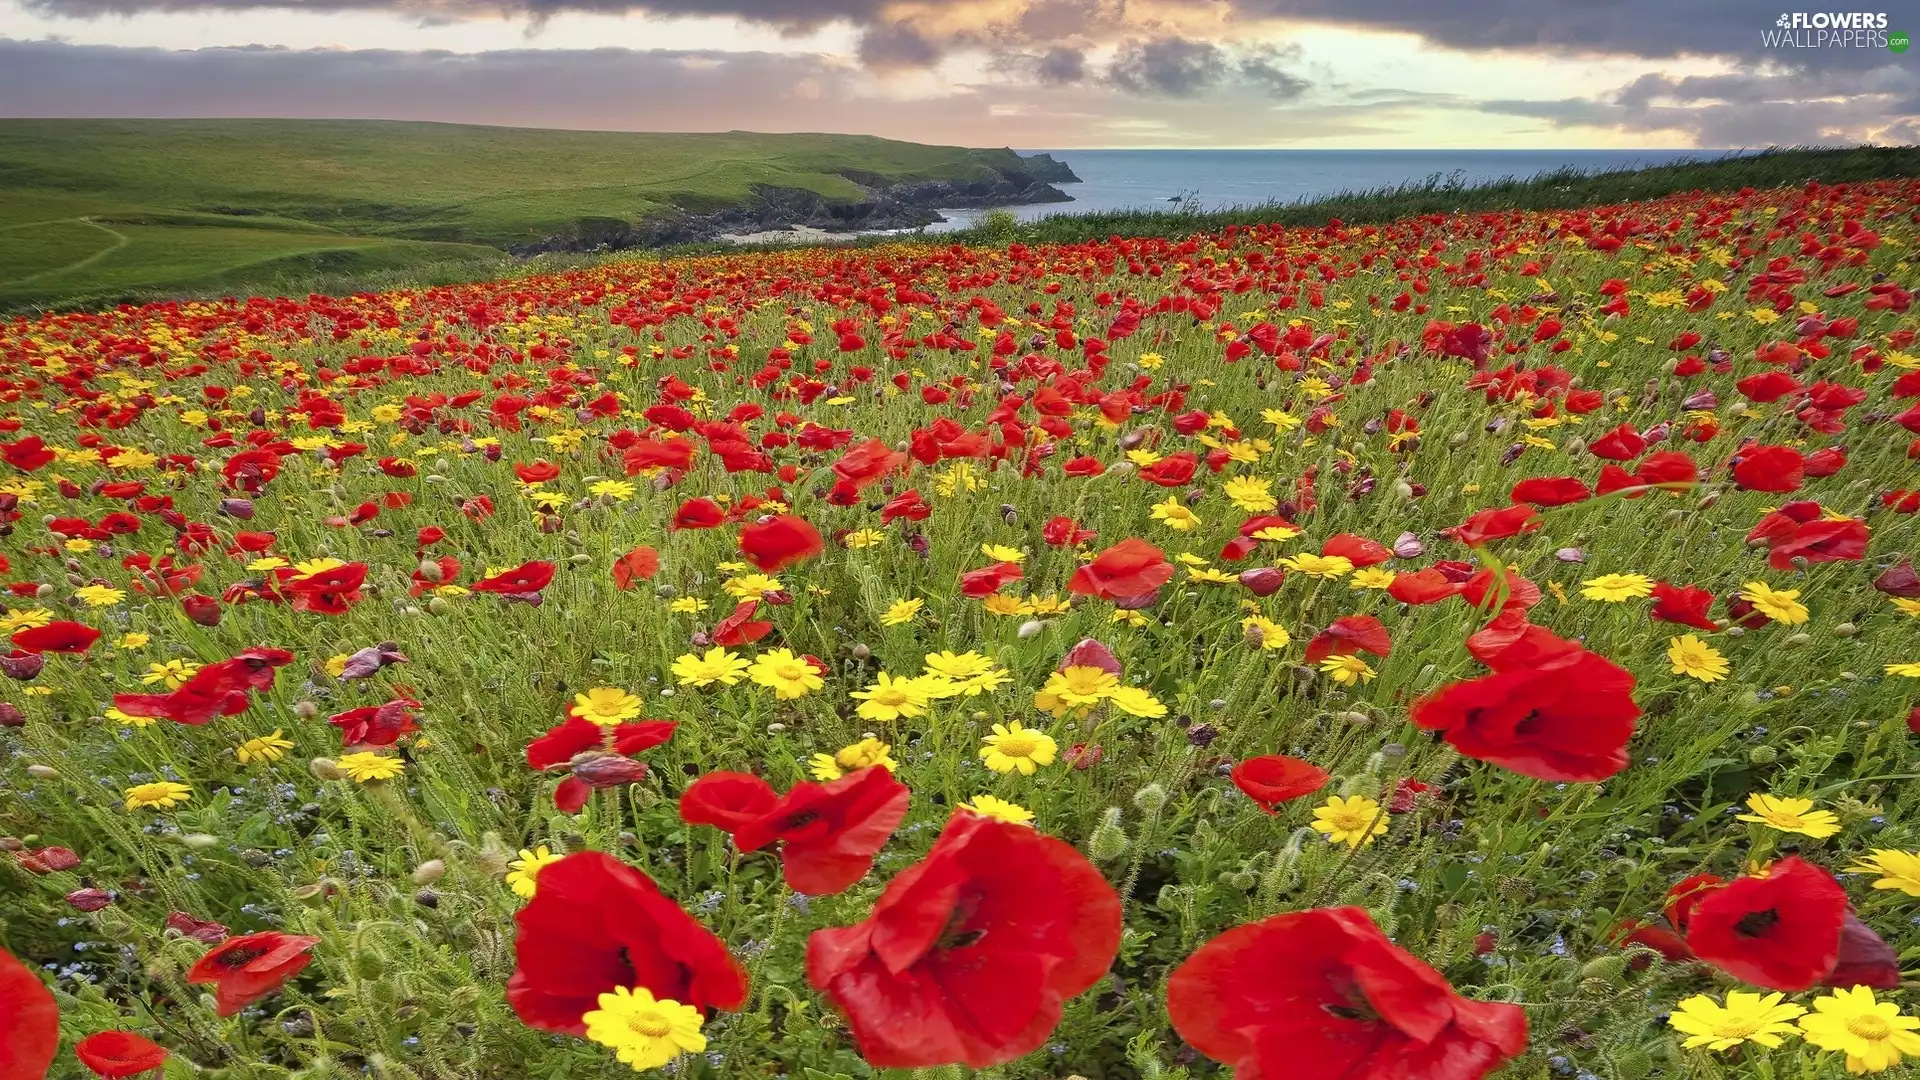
(227, 203)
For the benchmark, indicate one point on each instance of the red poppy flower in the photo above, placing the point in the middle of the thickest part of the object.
(217, 689)
(1272, 779)
(1768, 386)
(1865, 959)
(1126, 573)
(1425, 586)
(1769, 468)
(740, 627)
(699, 514)
(970, 952)
(1799, 531)
(538, 472)
(1063, 531)
(1670, 469)
(1781, 931)
(119, 1053)
(46, 860)
(595, 757)
(247, 968)
(828, 833)
(596, 924)
(1324, 995)
(26, 454)
(1505, 590)
(1347, 635)
(1551, 710)
(1175, 470)
(1549, 491)
(780, 541)
(29, 1022)
(1357, 550)
(376, 725)
(56, 637)
(1684, 894)
(526, 578)
(1621, 444)
(642, 563)
(1489, 525)
(868, 463)
(1683, 604)
(990, 580)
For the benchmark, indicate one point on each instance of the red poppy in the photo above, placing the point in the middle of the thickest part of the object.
(1768, 386)
(26, 454)
(780, 541)
(1505, 590)
(970, 952)
(1769, 468)
(1426, 586)
(1865, 959)
(740, 627)
(828, 833)
(1670, 469)
(1799, 531)
(1549, 491)
(217, 689)
(1175, 470)
(1324, 995)
(1063, 531)
(642, 563)
(29, 1022)
(1781, 931)
(990, 580)
(1683, 604)
(247, 968)
(376, 725)
(596, 924)
(1127, 573)
(1272, 779)
(523, 579)
(1357, 550)
(538, 472)
(1347, 635)
(699, 514)
(119, 1053)
(1488, 525)
(1687, 892)
(56, 637)
(1551, 710)
(1621, 444)
(868, 463)
(595, 757)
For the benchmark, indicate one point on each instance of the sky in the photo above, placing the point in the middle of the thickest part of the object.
(1025, 73)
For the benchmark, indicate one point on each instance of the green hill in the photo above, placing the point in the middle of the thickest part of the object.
(93, 210)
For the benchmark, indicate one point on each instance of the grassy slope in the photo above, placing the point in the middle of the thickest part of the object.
(252, 203)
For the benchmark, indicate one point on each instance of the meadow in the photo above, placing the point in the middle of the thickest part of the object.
(100, 210)
(1476, 643)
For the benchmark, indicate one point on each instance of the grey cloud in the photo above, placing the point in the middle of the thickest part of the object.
(1061, 66)
(896, 45)
(1178, 67)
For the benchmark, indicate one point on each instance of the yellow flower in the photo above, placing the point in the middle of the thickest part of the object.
(1211, 576)
(889, 698)
(336, 664)
(1780, 605)
(1002, 604)
(787, 675)
(1746, 1017)
(1136, 701)
(317, 566)
(1372, 577)
(265, 563)
(1131, 618)
(1078, 685)
(1014, 748)
(606, 705)
(1695, 658)
(863, 538)
(525, 870)
(1910, 671)
(134, 640)
(263, 748)
(617, 490)
(865, 754)
(1790, 816)
(1143, 458)
(1910, 606)
(1873, 1034)
(119, 717)
(643, 1031)
(1250, 493)
(1275, 533)
(366, 766)
(1150, 361)
(971, 673)
(160, 795)
(24, 620)
(1176, 515)
(78, 545)
(1265, 633)
(1318, 566)
(1897, 869)
(174, 673)
(1280, 419)
(717, 666)
(1613, 588)
(1347, 669)
(988, 806)
(99, 595)
(1353, 821)
(1001, 553)
(751, 586)
(901, 612)
(687, 605)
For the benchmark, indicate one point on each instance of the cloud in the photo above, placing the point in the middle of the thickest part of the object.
(1061, 66)
(1180, 67)
(1754, 108)
(895, 46)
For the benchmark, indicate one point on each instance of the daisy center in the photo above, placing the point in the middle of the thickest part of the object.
(1021, 745)
(650, 1024)
(1869, 1027)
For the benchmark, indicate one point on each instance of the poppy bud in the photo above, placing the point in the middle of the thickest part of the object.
(203, 610)
(429, 872)
(326, 769)
(1263, 580)
(607, 770)
(11, 716)
(239, 508)
(1109, 840)
(43, 772)
(860, 651)
(1030, 628)
(1845, 630)
(89, 899)
(1150, 799)
(23, 666)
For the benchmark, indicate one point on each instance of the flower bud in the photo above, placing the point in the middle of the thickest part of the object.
(11, 716)
(1763, 755)
(1109, 840)
(1150, 799)
(1845, 630)
(42, 772)
(89, 899)
(306, 710)
(429, 872)
(1610, 967)
(326, 769)
(607, 770)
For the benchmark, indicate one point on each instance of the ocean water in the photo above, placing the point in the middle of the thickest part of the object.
(1147, 179)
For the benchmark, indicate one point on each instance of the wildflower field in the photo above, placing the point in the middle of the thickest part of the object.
(1473, 644)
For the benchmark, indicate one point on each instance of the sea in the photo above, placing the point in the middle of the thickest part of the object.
(1220, 179)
